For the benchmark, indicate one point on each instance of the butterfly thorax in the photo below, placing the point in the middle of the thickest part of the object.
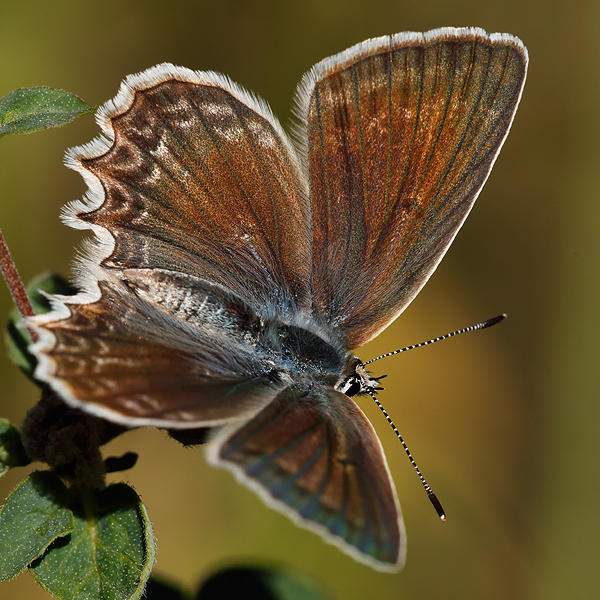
(302, 351)
(225, 332)
(310, 353)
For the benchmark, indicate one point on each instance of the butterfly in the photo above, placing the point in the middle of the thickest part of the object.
(234, 270)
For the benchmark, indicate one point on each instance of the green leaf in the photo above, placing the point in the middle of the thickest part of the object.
(32, 518)
(17, 336)
(30, 109)
(109, 555)
(12, 453)
(260, 582)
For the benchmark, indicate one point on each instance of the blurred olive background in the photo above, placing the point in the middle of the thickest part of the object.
(503, 423)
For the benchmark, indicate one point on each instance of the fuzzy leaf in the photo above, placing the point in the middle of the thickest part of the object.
(32, 518)
(30, 109)
(109, 555)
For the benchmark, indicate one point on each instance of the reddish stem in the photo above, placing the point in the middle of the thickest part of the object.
(14, 283)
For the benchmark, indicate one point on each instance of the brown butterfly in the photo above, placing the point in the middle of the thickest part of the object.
(232, 271)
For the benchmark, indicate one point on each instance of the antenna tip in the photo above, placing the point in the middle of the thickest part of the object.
(493, 321)
(437, 505)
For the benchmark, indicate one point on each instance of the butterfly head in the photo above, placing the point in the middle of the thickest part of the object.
(357, 380)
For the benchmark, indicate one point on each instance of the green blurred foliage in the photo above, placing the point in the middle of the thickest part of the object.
(259, 583)
(503, 423)
(12, 452)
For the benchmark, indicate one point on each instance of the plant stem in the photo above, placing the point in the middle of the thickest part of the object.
(15, 284)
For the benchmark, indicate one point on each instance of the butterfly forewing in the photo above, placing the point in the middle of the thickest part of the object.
(401, 135)
(200, 179)
(314, 455)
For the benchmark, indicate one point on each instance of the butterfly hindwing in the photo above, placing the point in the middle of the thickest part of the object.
(157, 348)
(312, 454)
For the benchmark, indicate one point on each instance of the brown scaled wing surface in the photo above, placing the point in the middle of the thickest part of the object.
(401, 138)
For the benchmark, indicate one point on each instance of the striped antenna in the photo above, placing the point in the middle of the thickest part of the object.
(432, 497)
(436, 503)
(482, 325)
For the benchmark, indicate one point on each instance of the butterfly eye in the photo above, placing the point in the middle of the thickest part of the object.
(354, 388)
(351, 386)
